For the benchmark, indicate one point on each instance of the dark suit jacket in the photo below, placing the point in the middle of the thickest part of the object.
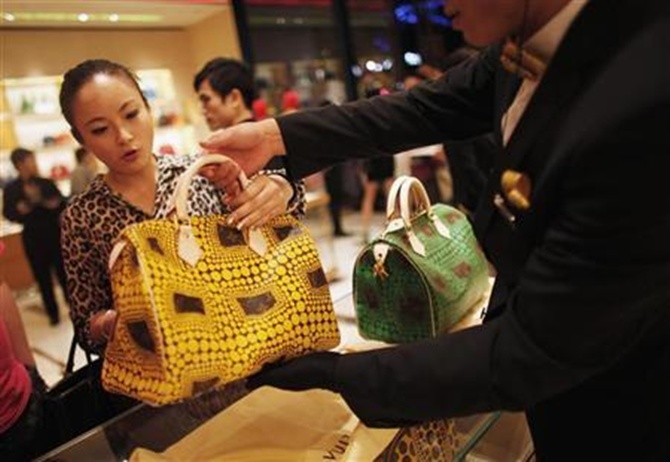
(41, 222)
(578, 332)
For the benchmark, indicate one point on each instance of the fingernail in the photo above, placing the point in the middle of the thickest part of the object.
(230, 220)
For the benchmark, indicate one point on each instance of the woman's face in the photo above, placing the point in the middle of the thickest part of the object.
(114, 123)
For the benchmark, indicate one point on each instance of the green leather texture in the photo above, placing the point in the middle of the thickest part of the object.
(414, 296)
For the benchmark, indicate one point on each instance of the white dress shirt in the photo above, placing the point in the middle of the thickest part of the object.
(542, 44)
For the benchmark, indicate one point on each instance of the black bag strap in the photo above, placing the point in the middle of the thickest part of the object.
(69, 366)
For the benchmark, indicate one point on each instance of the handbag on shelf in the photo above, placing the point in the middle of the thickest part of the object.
(201, 303)
(78, 402)
(422, 274)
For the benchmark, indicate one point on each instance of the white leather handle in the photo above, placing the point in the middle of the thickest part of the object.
(179, 200)
(412, 186)
(421, 200)
(392, 199)
(188, 247)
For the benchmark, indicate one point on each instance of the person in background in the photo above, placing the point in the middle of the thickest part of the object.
(36, 203)
(85, 171)
(260, 109)
(109, 115)
(378, 174)
(429, 164)
(22, 388)
(470, 160)
(226, 92)
(334, 182)
(290, 101)
(574, 218)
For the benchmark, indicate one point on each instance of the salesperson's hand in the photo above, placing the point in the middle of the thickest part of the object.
(316, 370)
(252, 144)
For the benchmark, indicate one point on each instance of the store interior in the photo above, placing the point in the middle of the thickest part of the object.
(293, 44)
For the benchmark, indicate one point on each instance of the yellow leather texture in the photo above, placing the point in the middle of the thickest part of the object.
(185, 329)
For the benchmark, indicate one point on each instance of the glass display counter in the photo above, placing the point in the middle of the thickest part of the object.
(157, 429)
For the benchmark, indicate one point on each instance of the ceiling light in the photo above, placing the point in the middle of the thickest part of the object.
(8, 17)
(114, 17)
(52, 17)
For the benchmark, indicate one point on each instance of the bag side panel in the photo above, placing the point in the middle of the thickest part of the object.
(455, 267)
(234, 310)
(392, 307)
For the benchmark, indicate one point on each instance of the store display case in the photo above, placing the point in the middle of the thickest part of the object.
(146, 433)
(32, 119)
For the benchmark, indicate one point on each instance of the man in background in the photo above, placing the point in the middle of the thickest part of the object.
(226, 92)
(36, 203)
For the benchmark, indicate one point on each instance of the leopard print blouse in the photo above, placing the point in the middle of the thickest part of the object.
(93, 219)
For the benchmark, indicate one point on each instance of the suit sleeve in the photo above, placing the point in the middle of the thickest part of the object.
(11, 198)
(591, 302)
(457, 106)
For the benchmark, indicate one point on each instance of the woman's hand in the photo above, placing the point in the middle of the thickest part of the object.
(252, 145)
(225, 176)
(264, 198)
(102, 325)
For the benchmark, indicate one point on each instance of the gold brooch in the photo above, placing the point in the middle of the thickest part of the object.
(516, 188)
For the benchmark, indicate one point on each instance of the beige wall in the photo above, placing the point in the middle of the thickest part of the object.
(45, 52)
(214, 36)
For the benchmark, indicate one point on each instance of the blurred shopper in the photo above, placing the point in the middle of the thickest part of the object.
(334, 180)
(22, 388)
(36, 203)
(427, 163)
(470, 160)
(290, 101)
(378, 175)
(85, 171)
(226, 92)
(260, 109)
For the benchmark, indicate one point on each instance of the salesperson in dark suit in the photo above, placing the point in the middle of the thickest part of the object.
(576, 221)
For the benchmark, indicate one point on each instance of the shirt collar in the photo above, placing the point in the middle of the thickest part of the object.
(545, 41)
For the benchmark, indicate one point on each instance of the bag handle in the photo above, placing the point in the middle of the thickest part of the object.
(392, 199)
(188, 248)
(412, 208)
(69, 366)
(179, 200)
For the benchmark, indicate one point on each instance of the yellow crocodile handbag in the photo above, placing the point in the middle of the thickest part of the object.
(201, 304)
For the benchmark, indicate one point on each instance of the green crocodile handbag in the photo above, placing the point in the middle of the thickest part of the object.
(422, 274)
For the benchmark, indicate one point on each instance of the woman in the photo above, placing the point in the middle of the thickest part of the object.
(109, 116)
(22, 429)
